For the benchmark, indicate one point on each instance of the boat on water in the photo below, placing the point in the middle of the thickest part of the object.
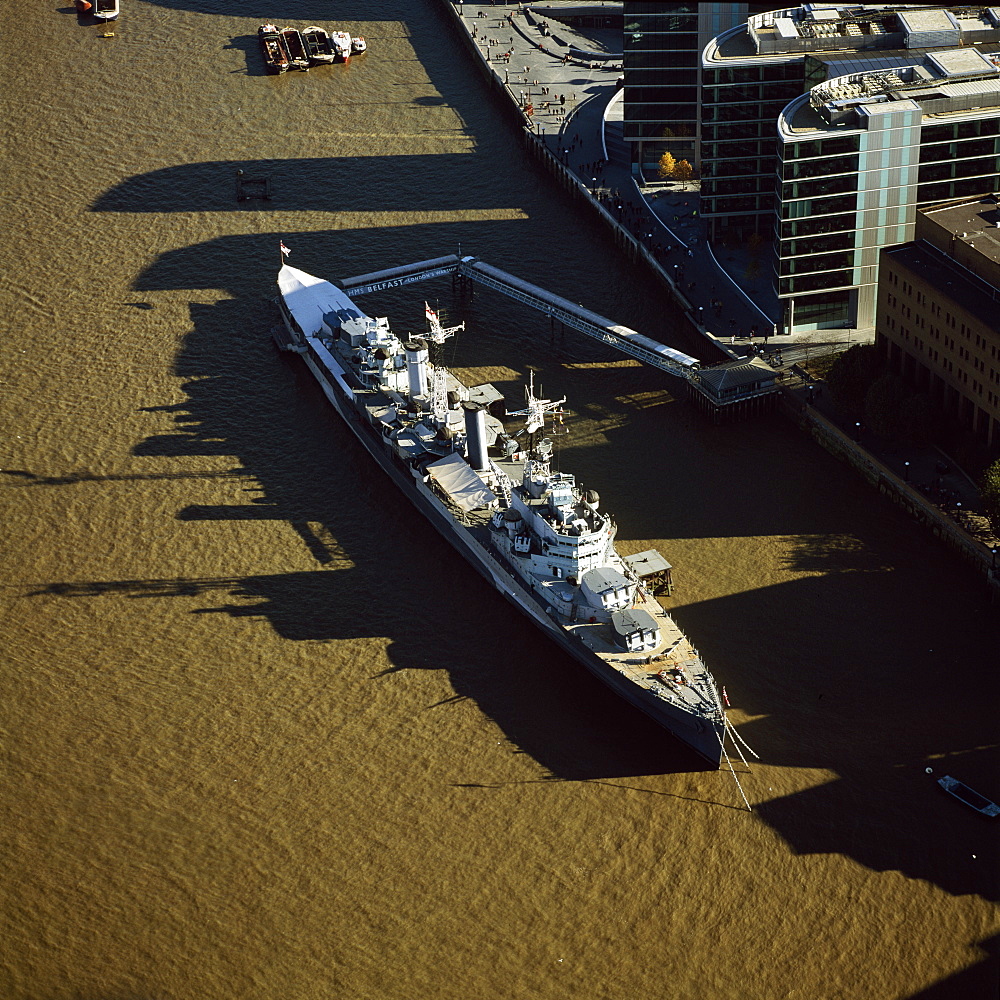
(295, 46)
(358, 45)
(318, 45)
(105, 10)
(964, 793)
(272, 47)
(341, 41)
(534, 533)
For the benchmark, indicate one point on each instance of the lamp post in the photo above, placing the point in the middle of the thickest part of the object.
(906, 471)
(993, 550)
(857, 430)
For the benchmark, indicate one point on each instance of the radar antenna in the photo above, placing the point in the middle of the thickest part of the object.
(537, 408)
(439, 334)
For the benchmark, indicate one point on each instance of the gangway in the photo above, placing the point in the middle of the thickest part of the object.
(622, 338)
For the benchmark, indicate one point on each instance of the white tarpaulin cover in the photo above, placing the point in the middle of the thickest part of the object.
(454, 475)
(310, 299)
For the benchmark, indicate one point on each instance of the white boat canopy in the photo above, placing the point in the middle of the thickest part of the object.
(311, 301)
(454, 475)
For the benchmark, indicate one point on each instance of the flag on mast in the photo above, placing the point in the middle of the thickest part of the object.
(284, 250)
(431, 315)
(725, 697)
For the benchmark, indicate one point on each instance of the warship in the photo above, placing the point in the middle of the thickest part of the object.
(544, 542)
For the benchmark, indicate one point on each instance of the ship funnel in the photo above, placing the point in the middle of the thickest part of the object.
(475, 431)
(416, 367)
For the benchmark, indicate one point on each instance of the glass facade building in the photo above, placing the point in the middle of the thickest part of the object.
(751, 72)
(662, 56)
(856, 157)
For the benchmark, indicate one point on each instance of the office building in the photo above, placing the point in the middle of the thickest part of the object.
(857, 155)
(938, 318)
(662, 55)
(751, 72)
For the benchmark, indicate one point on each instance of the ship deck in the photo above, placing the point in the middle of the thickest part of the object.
(652, 669)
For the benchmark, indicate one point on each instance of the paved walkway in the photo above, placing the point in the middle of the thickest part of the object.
(572, 79)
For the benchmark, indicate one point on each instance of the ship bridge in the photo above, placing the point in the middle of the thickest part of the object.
(593, 325)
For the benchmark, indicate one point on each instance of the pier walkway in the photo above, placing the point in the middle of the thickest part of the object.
(597, 327)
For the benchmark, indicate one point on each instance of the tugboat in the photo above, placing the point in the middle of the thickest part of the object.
(532, 532)
(272, 48)
(318, 45)
(342, 45)
(359, 45)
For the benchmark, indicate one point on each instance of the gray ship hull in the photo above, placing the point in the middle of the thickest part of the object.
(701, 734)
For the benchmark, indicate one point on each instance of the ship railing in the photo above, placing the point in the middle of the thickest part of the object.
(504, 488)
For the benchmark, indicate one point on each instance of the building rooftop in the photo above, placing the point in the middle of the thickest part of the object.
(976, 224)
(796, 31)
(974, 295)
(944, 82)
(751, 374)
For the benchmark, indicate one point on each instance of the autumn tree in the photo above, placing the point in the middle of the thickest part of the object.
(667, 166)
(683, 171)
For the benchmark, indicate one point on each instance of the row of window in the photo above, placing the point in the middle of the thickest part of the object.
(957, 168)
(791, 72)
(738, 203)
(947, 343)
(892, 278)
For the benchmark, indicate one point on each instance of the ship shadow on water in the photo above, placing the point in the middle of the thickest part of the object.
(297, 464)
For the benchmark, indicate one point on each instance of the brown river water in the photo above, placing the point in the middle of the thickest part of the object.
(263, 736)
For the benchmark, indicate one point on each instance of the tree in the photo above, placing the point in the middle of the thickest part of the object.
(683, 171)
(883, 406)
(852, 374)
(917, 417)
(990, 492)
(667, 166)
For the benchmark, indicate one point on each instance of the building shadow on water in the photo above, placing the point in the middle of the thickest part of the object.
(876, 700)
(306, 11)
(980, 981)
(392, 184)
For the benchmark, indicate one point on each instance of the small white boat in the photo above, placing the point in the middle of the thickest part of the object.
(342, 44)
(106, 10)
(963, 793)
(359, 45)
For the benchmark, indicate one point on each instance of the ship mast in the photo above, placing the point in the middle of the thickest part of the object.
(535, 412)
(439, 382)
